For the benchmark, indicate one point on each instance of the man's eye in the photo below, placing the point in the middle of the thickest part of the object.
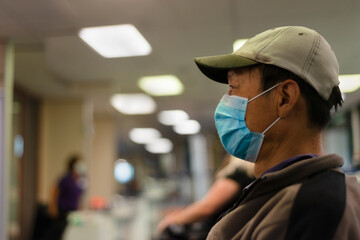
(232, 87)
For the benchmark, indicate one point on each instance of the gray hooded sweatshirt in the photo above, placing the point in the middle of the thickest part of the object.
(310, 199)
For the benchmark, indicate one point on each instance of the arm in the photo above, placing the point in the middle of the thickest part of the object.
(219, 194)
(53, 200)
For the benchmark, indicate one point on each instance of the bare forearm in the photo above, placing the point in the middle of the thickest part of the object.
(53, 201)
(220, 194)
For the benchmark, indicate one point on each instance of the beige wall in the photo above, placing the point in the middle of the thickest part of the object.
(62, 132)
(104, 155)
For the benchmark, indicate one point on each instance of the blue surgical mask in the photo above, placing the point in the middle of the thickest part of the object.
(236, 138)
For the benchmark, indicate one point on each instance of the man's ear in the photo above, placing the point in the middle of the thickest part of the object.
(288, 95)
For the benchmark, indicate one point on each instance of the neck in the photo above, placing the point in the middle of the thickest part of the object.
(288, 146)
(74, 174)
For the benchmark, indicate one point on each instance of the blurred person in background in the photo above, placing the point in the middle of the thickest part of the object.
(233, 175)
(66, 197)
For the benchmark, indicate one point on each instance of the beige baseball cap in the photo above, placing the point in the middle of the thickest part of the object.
(299, 50)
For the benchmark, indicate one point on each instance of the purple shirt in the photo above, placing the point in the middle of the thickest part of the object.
(69, 193)
(288, 162)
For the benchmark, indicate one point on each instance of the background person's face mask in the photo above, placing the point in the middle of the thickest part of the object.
(80, 168)
(236, 138)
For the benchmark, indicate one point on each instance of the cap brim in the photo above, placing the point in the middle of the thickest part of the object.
(217, 67)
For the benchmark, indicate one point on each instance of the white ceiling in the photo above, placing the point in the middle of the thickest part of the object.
(52, 62)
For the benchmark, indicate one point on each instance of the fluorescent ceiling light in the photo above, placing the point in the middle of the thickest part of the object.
(143, 135)
(160, 145)
(138, 103)
(172, 117)
(238, 44)
(349, 83)
(116, 41)
(163, 85)
(187, 127)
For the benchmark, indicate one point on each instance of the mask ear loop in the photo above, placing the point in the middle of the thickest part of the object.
(271, 125)
(267, 90)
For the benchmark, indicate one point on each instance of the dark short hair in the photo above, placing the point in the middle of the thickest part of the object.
(71, 162)
(318, 109)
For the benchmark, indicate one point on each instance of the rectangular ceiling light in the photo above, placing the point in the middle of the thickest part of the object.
(160, 145)
(187, 127)
(132, 104)
(164, 85)
(116, 41)
(349, 83)
(172, 117)
(238, 44)
(144, 135)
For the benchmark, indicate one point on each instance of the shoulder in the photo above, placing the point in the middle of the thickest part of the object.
(325, 190)
(318, 206)
(65, 179)
(238, 170)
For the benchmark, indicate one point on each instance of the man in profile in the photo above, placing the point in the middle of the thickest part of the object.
(282, 85)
